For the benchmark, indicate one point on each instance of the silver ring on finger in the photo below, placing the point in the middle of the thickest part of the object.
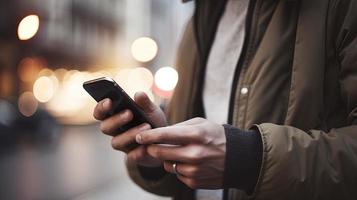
(174, 168)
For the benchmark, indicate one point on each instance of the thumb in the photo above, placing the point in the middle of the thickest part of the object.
(144, 102)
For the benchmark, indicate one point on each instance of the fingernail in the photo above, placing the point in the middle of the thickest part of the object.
(106, 104)
(138, 138)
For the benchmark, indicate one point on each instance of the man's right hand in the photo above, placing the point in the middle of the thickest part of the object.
(123, 141)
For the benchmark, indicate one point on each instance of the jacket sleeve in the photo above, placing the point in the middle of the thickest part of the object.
(315, 164)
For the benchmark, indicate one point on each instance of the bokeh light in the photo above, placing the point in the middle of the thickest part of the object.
(144, 49)
(27, 104)
(45, 72)
(166, 78)
(135, 80)
(28, 27)
(44, 89)
(7, 112)
(71, 101)
(60, 73)
(6, 83)
(29, 68)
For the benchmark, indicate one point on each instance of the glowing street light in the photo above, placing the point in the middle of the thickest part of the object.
(135, 80)
(44, 89)
(166, 78)
(27, 104)
(29, 68)
(28, 27)
(144, 49)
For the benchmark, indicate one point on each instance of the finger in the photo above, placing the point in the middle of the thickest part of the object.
(102, 108)
(183, 169)
(193, 154)
(123, 141)
(111, 125)
(171, 135)
(137, 155)
(144, 102)
(140, 156)
(192, 121)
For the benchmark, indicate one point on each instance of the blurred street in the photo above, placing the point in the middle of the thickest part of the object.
(79, 163)
(50, 145)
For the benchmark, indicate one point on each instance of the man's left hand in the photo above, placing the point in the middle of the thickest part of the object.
(197, 146)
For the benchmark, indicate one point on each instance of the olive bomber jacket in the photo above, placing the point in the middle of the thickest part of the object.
(299, 65)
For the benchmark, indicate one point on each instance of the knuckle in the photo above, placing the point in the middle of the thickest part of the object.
(201, 135)
(197, 134)
(195, 155)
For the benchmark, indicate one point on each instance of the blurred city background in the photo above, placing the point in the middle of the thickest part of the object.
(50, 145)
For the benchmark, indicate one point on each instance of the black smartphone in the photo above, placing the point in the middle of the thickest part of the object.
(103, 88)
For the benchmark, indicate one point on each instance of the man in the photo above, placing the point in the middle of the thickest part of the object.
(286, 82)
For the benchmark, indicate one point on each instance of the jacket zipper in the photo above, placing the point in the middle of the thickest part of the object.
(245, 58)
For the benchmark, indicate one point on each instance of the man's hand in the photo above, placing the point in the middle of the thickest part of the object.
(198, 147)
(123, 142)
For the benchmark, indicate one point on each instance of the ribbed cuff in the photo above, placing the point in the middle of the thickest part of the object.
(243, 158)
(152, 173)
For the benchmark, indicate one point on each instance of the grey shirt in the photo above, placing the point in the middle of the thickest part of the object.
(225, 52)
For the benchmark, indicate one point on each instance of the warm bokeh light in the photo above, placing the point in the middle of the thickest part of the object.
(99, 74)
(55, 82)
(29, 69)
(45, 72)
(28, 27)
(144, 49)
(6, 83)
(27, 104)
(71, 103)
(166, 78)
(60, 73)
(150, 95)
(135, 80)
(44, 89)
(69, 74)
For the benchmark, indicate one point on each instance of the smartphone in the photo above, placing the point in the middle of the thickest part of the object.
(103, 88)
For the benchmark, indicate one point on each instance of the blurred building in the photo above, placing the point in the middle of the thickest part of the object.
(84, 35)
